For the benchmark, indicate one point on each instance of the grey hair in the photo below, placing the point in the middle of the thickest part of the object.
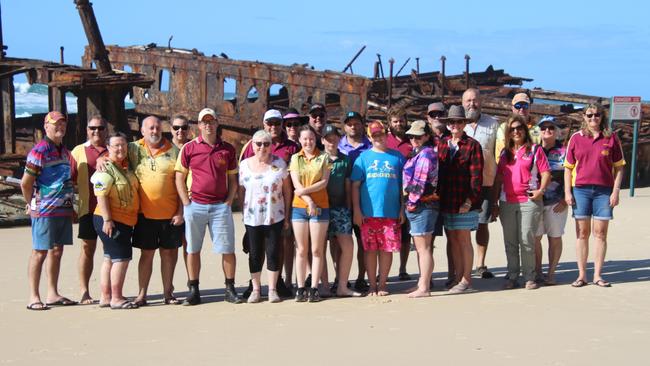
(262, 135)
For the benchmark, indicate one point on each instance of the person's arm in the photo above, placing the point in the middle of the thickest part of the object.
(321, 184)
(416, 189)
(105, 209)
(356, 203)
(27, 188)
(543, 167)
(568, 196)
(178, 219)
(287, 195)
(539, 193)
(233, 184)
(496, 192)
(618, 178)
(181, 187)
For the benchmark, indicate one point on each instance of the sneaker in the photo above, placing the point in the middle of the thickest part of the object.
(483, 272)
(531, 285)
(274, 297)
(254, 297)
(361, 285)
(231, 295)
(248, 291)
(301, 296)
(314, 295)
(282, 289)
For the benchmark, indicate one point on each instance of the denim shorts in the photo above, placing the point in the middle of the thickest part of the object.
(461, 221)
(593, 201)
(300, 215)
(340, 221)
(218, 219)
(117, 247)
(423, 219)
(50, 231)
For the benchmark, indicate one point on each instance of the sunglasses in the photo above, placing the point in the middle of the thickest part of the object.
(434, 114)
(519, 128)
(414, 137)
(521, 105)
(97, 128)
(550, 128)
(184, 128)
(273, 122)
(260, 143)
(457, 122)
(317, 115)
(293, 124)
(589, 115)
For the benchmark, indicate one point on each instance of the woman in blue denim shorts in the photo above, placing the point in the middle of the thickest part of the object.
(419, 180)
(592, 181)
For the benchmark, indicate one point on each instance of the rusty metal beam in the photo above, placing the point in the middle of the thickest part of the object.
(95, 41)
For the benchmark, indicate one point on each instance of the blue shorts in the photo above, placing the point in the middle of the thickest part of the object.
(300, 215)
(592, 201)
(218, 218)
(50, 231)
(459, 221)
(117, 247)
(423, 219)
(340, 221)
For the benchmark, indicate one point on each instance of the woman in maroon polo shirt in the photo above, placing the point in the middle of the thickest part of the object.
(592, 181)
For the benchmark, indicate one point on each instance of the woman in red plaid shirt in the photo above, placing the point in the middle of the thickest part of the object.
(459, 185)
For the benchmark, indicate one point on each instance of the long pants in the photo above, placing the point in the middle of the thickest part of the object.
(264, 239)
(520, 222)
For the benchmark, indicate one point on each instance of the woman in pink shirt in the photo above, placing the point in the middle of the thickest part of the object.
(523, 172)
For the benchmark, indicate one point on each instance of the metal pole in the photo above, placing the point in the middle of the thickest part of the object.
(417, 65)
(467, 71)
(94, 36)
(2, 45)
(390, 83)
(401, 68)
(635, 138)
(61, 53)
(349, 65)
(442, 78)
(381, 66)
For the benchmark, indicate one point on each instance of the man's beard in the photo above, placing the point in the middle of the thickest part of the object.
(473, 114)
(401, 133)
(154, 139)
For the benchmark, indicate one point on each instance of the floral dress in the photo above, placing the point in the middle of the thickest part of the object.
(263, 200)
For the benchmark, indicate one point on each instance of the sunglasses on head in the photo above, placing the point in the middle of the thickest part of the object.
(589, 115)
(320, 115)
(519, 128)
(521, 105)
(184, 128)
(435, 114)
(262, 143)
(547, 127)
(97, 128)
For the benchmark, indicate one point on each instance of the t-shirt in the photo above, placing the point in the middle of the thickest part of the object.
(520, 175)
(310, 171)
(486, 135)
(158, 195)
(263, 198)
(592, 159)
(120, 185)
(555, 190)
(210, 166)
(380, 174)
(341, 170)
(53, 189)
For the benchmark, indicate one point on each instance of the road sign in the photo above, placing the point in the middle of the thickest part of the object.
(626, 108)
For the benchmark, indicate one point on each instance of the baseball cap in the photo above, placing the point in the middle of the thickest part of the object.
(317, 106)
(272, 114)
(375, 127)
(548, 119)
(520, 97)
(54, 117)
(353, 114)
(330, 129)
(438, 107)
(207, 111)
(417, 128)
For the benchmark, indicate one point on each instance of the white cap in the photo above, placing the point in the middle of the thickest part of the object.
(206, 111)
(272, 114)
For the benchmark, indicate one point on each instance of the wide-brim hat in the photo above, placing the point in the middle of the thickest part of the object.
(417, 128)
(456, 113)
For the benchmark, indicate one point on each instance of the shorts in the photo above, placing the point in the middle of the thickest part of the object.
(300, 215)
(592, 201)
(552, 223)
(461, 221)
(87, 228)
(484, 217)
(218, 218)
(382, 234)
(340, 222)
(151, 234)
(438, 228)
(117, 247)
(48, 232)
(423, 220)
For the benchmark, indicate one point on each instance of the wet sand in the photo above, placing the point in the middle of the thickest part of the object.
(557, 325)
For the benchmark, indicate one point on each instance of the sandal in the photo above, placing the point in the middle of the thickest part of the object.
(602, 283)
(37, 306)
(126, 305)
(579, 283)
(64, 301)
(172, 301)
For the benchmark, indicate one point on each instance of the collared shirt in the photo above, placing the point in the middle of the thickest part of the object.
(341, 170)
(521, 174)
(283, 149)
(85, 156)
(592, 159)
(533, 131)
(351, 151)
(404, 146)
(52, 166)
(460, 174)
(210, 166)
(120, 185)
(485, 133)
(310, 171)
(420, 177)
(158, 195)
(555, 190)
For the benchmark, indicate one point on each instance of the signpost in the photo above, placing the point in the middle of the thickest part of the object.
(628, 109)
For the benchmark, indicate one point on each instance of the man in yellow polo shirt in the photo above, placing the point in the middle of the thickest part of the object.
(160, 219)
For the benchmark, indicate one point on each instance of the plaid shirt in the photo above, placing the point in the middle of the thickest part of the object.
(461, 176)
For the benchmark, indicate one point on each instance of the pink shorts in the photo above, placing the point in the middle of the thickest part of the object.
(379, 233)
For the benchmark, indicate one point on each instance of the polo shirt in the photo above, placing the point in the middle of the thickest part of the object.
(158, 195)
(310, 171)
(85, 156)
(210, 166)
(485, 133)
(592, 160)
(404, 147)
(351, 151)
(283, 149)
(521, 174)
(51, 165)
(341, 170)
(120, 185)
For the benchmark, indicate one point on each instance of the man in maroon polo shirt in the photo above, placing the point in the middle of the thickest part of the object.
(397, 140)
(213, 164)
(283, 148)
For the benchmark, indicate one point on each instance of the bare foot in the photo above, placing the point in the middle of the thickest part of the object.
(347, 293)
(419, 293)
(383, 293)
(86, 299)
(372, 291)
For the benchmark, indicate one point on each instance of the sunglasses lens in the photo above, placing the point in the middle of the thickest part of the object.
(521, 106)
(592, 115)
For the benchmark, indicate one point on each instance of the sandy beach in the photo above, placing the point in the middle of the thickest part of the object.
(557, 325)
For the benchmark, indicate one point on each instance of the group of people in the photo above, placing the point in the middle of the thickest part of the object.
(302, 183)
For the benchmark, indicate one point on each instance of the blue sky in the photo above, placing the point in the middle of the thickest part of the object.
(590, 47)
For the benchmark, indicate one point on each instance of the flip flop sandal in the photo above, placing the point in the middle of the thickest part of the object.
(579, 283)
(172, 301)
(64, 301)
(107, 305)
(602, 283)
(126, 305)
(38, 306)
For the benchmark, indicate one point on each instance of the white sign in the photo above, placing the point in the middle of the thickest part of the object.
(626, 108)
